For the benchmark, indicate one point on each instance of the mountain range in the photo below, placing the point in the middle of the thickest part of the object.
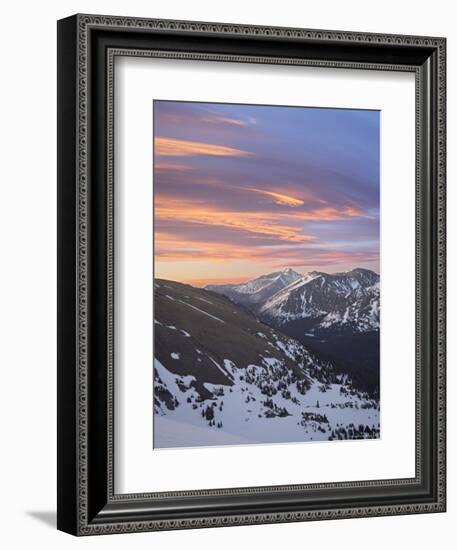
(347, 300)
(224, 376)
(334, 314)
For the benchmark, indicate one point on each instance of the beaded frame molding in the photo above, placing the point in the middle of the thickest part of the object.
(87, 48)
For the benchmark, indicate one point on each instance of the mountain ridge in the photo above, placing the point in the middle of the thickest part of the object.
(344, 299)
(257, 290)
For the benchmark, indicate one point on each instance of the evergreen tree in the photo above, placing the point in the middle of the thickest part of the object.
(209, 413)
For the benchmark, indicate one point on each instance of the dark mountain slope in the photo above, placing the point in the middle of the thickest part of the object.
(204, 329)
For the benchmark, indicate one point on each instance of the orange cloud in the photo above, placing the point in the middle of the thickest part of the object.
(330, 213)
(265, 237)
(171, 147)
(259, 223)
(170, 248)
(159, 165)
(279, 198)
(168, 208)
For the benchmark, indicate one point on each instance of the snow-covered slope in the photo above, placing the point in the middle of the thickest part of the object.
(223, 377)
(344, 300)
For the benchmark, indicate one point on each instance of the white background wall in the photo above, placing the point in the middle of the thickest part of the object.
(28, 270)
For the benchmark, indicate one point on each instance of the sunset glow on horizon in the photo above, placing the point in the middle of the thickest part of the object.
(243, 190)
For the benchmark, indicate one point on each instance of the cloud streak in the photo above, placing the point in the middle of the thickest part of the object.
(258, 224)
(170, 147)
(278, 198)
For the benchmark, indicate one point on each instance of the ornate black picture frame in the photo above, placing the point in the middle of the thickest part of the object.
(87, 46)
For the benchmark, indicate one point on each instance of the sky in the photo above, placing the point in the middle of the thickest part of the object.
(244, 190)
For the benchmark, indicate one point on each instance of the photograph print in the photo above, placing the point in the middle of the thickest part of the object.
(266, 274)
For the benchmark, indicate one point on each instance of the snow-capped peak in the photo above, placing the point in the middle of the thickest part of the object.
(289, 272)
(257, 290)
(288, 275)
(349, 299)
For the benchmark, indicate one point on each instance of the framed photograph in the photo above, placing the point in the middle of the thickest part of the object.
(251, 279)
